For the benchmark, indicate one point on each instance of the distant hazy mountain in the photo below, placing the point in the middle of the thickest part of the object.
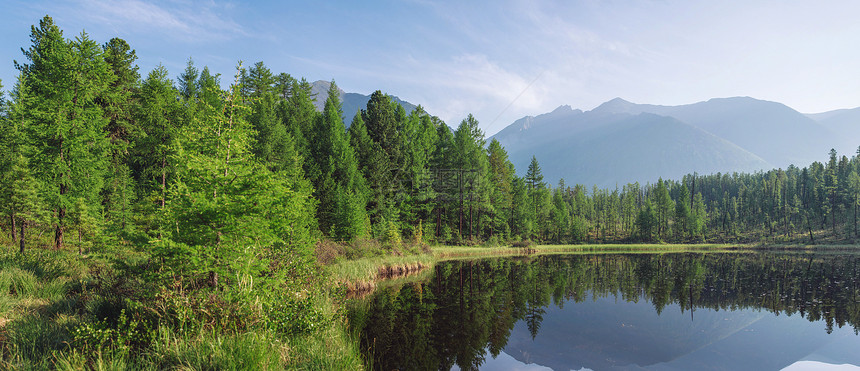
(776, 133)
(846, 124)
(607, 149)
(352, 102)
(620, 141)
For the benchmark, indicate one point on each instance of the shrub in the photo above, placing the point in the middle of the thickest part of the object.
(328, 251)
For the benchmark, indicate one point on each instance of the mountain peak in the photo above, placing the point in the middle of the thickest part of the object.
(616, 105)
(562, 108)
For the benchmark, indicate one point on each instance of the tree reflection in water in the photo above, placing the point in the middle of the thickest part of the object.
(468, 309)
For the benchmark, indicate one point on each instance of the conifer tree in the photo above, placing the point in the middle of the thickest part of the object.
(682, 212)
(340, 188)
(65, 79)
(187, 81)
(501, 177)
(470, 160)
(375, 165)
(159, 116)
(118, 103)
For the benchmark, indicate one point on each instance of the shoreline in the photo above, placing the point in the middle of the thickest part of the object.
(362, 275)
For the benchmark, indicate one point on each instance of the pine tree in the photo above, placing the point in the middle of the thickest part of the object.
(70, 148)
(501, 176)
(118, 103)
(470, 160)
(340, 188)
(375, 166)
(187, 81)
(159, 115)
(536, 191)
(682, 212)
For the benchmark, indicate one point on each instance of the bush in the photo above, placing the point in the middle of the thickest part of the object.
(328, 251)
(392, 235)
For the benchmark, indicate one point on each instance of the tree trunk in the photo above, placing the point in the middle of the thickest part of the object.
(58, 232)
(12, 222)
(61, 210)
(460, 188)
(471, 220)
(21, 242)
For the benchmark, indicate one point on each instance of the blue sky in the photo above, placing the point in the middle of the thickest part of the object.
(499, 60)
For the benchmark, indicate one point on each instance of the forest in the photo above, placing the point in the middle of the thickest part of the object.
(94, 153)
(217, 203)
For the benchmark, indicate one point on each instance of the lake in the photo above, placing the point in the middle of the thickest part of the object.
(671, 311)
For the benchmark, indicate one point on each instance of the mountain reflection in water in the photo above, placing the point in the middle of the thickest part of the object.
(734, 311)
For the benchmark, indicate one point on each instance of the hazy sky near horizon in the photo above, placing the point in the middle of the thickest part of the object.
(498, 60)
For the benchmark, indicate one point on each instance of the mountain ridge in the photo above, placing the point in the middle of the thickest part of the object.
(733, 134)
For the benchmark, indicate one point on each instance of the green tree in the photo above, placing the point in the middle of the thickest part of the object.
(159, 115)
(646, 222)
(470, 160)
(187, 81)
(501, 173)
(24, 202)
(663, 207)
(376, 169)
(227, 215)
(118, 103)
(560, 214)
(340, 188)
(67, 123)
(537, 192)
(682, 212)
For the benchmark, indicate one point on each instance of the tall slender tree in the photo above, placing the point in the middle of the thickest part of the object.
(65, 79)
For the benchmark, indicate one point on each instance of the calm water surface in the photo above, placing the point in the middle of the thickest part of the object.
(727, 311)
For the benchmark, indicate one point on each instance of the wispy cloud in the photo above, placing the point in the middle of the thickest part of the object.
(185, 21)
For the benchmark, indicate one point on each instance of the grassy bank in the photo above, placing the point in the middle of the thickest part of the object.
(362, 273)
(61, 310)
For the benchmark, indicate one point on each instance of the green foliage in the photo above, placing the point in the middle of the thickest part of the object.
(392, 235)
(66, 123)
(228, 214)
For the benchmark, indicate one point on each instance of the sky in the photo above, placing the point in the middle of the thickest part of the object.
(498, 60)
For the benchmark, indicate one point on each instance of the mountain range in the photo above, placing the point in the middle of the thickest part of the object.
(620, 142)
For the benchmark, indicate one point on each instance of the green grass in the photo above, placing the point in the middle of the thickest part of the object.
(366, 269)
(330, 348)
(46, 296)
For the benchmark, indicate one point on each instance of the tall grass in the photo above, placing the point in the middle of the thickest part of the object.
(331, 348)
(366, 269)
(47, 297)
